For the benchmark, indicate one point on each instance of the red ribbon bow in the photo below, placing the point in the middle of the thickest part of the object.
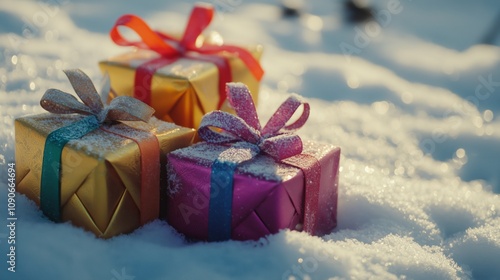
(275, 139)
(171, 49)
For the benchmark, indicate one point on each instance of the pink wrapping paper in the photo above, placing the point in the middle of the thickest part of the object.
(267, 196)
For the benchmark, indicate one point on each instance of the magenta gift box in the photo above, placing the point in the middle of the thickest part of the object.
(267, 196)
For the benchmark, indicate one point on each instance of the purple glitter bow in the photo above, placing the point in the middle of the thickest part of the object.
(276, 139)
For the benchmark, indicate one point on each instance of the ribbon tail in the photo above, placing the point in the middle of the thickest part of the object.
(252, 64)
(312, 175)
(247, 58)
(50, 185)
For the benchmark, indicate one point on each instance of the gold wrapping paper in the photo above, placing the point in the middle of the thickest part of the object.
(100, 173)
(183, 91)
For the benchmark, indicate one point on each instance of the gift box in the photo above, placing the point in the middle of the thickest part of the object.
(98, 167)
(252, 181)
(182, 79)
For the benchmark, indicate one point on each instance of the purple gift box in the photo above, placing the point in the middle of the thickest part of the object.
(267, 195)
(246, 182)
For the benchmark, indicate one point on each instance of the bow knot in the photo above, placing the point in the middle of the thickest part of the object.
(276, 138)
(168, 46)
(122, 108)
(181, 49)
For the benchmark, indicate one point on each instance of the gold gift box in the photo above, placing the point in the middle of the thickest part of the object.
(100, 172)
(181, 92)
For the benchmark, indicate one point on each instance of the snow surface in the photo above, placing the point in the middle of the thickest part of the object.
(411, 109)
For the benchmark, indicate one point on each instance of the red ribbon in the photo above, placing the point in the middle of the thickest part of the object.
(149, 150)
(276, 139)
(171, 49)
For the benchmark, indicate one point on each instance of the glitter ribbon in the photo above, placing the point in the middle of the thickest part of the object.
(121, 108)
(171, 49)
(248, 139)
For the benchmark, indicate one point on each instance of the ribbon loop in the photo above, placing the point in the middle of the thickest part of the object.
(150, 39)
(59, 102)
(200, 18)
(277, 122)
(233, 129)
(85, 89)
(276, 139)
(122, 108)
(242, 102)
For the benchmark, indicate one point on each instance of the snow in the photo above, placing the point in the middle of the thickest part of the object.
(414, 108)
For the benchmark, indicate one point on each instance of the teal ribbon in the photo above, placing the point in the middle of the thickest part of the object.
(221, 200)
(221, 189)
(50, 187)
